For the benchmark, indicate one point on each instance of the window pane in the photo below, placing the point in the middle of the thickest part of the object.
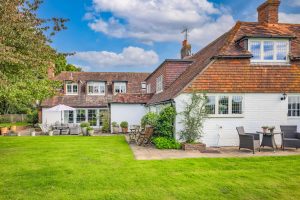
(69, 88)
(237, 105)
(211, 105)
(268, 50)
(294, 106)
(92, 117)
(80, 116)
(282, 50)
(255, 49)
(74, 88)
(223, 105)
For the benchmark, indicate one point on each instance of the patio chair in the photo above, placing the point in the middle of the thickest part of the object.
(145, 137)
(290, 137)
(248, 140)
(75, 130)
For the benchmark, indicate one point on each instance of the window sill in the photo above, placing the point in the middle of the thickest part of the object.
(159, 92)
(71, 94)
(270, 63)
(295, 117)
(96, 94)
(226, 116)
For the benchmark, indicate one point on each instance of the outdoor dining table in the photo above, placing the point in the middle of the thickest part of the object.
(269, 140)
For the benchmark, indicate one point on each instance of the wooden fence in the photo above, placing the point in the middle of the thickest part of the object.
(13, 118)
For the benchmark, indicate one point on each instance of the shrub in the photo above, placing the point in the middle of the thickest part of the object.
(105, 122)
(115, 124)
(124, 124)
(166, 143)
(33, 117)
(149, 119)
(84, 124)
(89, 128)
(194, 115)
(4, 119)
(165, 122)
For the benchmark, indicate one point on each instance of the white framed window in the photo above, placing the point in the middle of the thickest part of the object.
(80, 115)
(269, 50)
(144, 85)
(225, 105)
(96, 88)
(71, 88)
(294, 106)
(159, 84)
(69, 116)
(149, 88)
(119, 87)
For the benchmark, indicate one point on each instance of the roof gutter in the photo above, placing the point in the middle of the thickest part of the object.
(161, 102)
(265, 36)
(231, 56)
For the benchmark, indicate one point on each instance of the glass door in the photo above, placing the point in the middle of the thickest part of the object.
(92, 117)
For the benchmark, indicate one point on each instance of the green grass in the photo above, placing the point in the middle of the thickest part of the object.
(14, 124)
(104, 168)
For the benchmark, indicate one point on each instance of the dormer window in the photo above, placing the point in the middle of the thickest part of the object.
(269, 50)
(119, 87)
(144, 85)
(96, 88)
(71, 88)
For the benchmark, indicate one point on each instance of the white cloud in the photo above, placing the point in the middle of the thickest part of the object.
(289, 18)
(130, 57)
(161, 20)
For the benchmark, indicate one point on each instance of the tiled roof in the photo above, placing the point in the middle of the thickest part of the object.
(227, 46)
(82, 100)
(131, 98)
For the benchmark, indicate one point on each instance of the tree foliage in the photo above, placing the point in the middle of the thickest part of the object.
(62, 65)
(25, 54)
(193, 117)
(165, 122)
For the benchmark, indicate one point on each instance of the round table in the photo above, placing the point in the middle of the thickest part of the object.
(269, 140)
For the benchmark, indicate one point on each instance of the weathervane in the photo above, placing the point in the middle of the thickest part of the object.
(186, 32)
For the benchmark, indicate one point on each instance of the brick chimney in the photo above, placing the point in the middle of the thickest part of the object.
(268, 12)
(50, 71)
(185, 49)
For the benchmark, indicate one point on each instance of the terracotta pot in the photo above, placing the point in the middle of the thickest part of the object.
(4, 130)
(124, 130)
(194, 146)
(91, 132)
(13, 128)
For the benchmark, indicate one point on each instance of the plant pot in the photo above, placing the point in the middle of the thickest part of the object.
(13, 129)
(50, 133)
(4, 130)
(91, 132)
(32, 133)
(125, 130)
(271, 130)
(265, 130)
(193, 146)
(84, 131)
(115, 129)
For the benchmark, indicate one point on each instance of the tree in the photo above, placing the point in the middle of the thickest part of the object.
(25, 54)
(62, 65)
(194, 114)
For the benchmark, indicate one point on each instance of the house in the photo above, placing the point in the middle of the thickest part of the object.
(251, 75)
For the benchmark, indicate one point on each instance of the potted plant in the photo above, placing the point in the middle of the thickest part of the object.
(4, 130)
(265, 128)
(90, 131)
(115, 127)
(271, 129)
(13, 128)
(124, 126)
(84, 126)
(32, 132)
(193, 118)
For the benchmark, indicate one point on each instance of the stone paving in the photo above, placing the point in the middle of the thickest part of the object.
(151, 153)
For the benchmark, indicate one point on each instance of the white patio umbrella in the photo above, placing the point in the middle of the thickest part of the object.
(61, 108)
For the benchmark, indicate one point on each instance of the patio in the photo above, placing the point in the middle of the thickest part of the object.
(151, 153)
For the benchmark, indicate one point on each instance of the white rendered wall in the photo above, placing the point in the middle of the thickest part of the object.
(49, 117)
(259, 109)
(132, 113)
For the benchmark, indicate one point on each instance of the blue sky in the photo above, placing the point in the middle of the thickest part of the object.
(137, 35)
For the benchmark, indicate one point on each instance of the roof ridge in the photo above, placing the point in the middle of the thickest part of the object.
(231, 35)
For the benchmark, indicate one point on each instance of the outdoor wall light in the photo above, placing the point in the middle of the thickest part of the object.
(284, 95)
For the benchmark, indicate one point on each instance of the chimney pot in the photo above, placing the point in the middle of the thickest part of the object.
(268, 12)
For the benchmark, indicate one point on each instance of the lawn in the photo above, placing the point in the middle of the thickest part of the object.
(104, 168)
(14, 124)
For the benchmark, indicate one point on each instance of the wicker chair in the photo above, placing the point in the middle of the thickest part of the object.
(144, 137)
(248, 140)
(290, 137)
(75, 130)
